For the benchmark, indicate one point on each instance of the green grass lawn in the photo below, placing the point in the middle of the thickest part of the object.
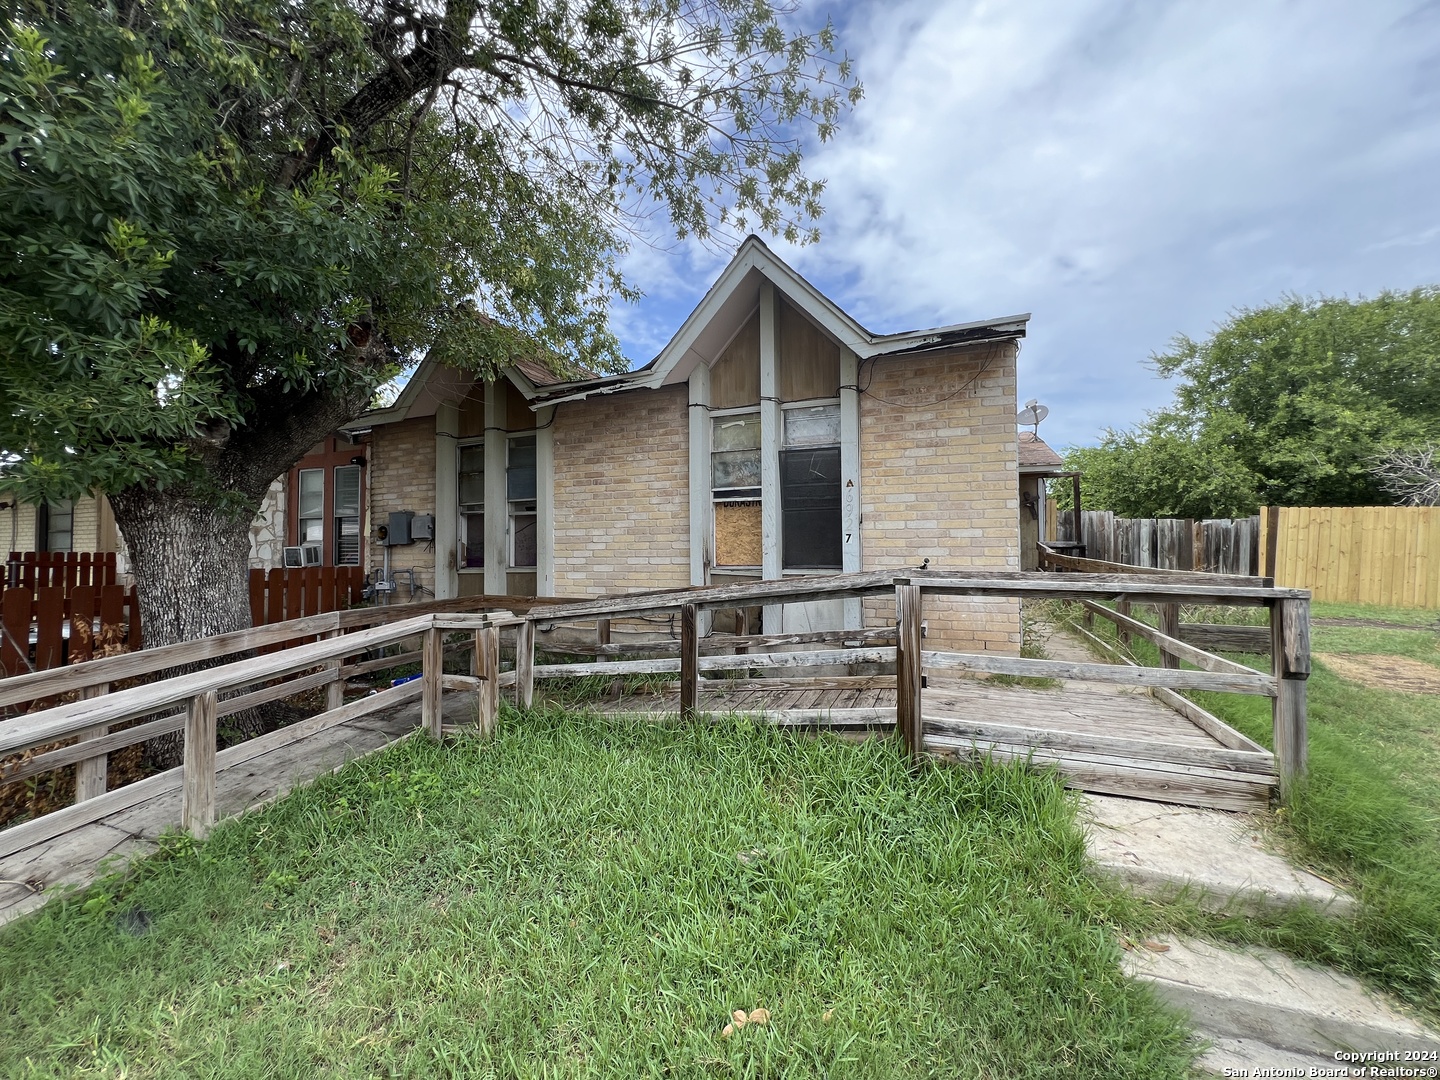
(587, 896)
(1369, 815)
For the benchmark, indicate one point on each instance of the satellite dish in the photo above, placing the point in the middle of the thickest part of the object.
(1032, 414)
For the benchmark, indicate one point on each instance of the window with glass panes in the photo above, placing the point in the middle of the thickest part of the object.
(55, 526)
(520, 489)
(310, 511)
(472, 505)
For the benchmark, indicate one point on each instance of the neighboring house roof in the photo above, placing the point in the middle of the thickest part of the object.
(720, 315)
(1036, 457)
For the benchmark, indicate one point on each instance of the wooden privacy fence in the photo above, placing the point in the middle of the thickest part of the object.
(52, 625)
(1213, 545)
(279, 594)
(1387, 555)
(43, 569)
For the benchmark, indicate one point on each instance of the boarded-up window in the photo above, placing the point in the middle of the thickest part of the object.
(735, 484)
(737, 534)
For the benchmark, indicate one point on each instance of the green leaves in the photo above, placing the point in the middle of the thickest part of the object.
(209, 203)
(1284, 405)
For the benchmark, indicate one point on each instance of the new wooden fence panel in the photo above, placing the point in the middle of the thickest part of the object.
(1384, 555)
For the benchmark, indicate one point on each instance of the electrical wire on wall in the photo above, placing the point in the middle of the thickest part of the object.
(984, 366)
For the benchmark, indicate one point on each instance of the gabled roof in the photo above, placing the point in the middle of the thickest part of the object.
(728, 304)
(433, 384)
(702, 337)
(1036, 457)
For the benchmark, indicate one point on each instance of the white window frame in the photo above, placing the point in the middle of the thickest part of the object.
(745, 411)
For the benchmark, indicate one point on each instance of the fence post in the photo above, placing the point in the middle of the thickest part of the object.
(1270, 526)
(602, 631)
(1290, 648)
(197, 798)
(1122, 607)
(432, 666)
(91, 774)
(487, 669)
(908, 718)
(1170, 627)
(335, 690)
(524, 664)
(689, 662)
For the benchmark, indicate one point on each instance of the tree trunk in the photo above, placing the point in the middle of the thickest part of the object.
(190, 559)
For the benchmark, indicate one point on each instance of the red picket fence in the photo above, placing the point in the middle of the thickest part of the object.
(66, 621)
(293, 592)
(67, 569)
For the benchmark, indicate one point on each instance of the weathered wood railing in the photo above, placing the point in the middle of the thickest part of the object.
(94, 678)
(198, 698)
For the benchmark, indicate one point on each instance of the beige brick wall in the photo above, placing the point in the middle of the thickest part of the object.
(84, 532)
(402, 477)
(938, 481)
(621, 483)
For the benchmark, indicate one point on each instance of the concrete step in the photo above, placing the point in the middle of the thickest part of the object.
(1210, 856)
(1261, 996)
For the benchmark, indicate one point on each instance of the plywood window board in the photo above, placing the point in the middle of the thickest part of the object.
(738, 534)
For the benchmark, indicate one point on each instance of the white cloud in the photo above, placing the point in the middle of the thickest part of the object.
(1124, 170)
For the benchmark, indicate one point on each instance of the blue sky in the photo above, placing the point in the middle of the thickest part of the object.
(1125, 171)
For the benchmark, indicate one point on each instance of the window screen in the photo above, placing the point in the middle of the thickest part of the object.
(347, 515)
(810, 508)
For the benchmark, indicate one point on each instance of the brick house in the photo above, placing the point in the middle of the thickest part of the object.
(773, 436)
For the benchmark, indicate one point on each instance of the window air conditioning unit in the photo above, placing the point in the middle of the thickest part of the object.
(302, 555)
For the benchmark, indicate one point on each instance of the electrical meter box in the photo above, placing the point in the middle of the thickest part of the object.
(399, 527)
(423, 527)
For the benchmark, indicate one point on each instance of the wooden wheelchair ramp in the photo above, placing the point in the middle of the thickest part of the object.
(1112, 740)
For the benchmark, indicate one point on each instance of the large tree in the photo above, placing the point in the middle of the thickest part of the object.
(226, 222)
(1284, 405)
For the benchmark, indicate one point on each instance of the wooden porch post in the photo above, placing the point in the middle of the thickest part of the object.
(487, 669)
(1123, 607)
(1290, 648)
(91, 775)
(689, 662)
(525, 664)
(197, 798)
(335, 691)
(1170, 627)
(432, 665)
(908, 720)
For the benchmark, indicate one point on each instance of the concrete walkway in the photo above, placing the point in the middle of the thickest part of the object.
(1256, 1009)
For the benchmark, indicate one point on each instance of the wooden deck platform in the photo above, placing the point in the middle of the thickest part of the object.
(1110, 739)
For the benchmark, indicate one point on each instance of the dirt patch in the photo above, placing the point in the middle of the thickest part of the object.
(1376, 624)
(1384, 672)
